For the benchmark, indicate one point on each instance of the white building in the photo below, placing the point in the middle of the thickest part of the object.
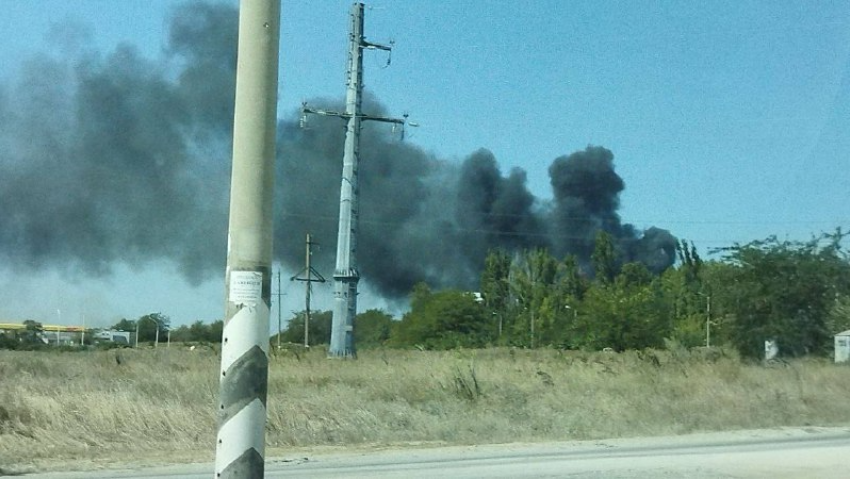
(120, 337)
(842, 347)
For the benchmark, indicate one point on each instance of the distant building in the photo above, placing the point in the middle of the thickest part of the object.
(55, 334)
(119, 337)
(59, 338)
(771, 349)
(842, 347)
(10, 327)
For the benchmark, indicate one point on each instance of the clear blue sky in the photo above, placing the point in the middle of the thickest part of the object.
(729, 121)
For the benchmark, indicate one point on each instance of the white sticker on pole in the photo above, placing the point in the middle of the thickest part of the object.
(246, 287)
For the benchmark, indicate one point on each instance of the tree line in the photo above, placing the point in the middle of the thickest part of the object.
(149, 327)
(198, 332)
(794, 293)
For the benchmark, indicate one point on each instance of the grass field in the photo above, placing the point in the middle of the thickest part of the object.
(154, 406)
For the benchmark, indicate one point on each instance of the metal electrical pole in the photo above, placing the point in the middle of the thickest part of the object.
(346, 275)
(240, 446)
(310, 271)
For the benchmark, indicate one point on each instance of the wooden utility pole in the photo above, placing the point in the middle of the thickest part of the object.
(310, 272)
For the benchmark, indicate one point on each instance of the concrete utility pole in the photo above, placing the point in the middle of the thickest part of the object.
(309, 271)
(240, 446)
(346, 275)
(708, 321)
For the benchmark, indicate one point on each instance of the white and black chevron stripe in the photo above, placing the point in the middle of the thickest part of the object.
(243, 391)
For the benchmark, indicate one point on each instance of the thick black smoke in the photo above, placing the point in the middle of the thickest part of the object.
(586, 198)
(493, 211)
(101, 160)
(122, 159)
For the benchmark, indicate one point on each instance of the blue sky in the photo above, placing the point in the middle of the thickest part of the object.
(728, 120)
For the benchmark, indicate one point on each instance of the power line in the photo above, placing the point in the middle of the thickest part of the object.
(630, 221)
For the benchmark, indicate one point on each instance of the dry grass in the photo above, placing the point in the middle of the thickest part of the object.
(151, 406)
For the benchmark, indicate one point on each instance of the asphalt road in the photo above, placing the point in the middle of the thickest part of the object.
(820, 453)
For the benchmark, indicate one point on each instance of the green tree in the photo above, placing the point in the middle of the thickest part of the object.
(320, 328)
(9, 341)
(420, 294)
(532, 281)
(604, 258)
(495, 288)
(198, 332)
(29, 338)
(564, 304)
(124, 325)
(181, 334)
(634, 275)
(215, 331)
(839, 316)
(372, 328)
(719, 281)
(571, 282)
(686, 295)
(442, 320)
(691, 263)
(150, 323)
(785, 290)
(32, 332)
(630, 313)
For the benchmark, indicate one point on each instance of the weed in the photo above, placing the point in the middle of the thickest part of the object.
(160, 404)
(466, 384)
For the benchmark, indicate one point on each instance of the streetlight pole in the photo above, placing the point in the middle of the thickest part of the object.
(279, 323)
(707, 321)
(156, 336)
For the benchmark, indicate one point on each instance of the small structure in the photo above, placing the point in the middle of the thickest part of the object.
(842, 347)
(119, 337)
(771, 349)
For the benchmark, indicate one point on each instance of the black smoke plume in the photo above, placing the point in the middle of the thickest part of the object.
(117, 158)
(105, 159)
(586, 198)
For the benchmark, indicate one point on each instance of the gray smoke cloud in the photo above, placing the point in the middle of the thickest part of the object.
(105, 158)
(586, 191)
(495, 211)
(117, 158)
